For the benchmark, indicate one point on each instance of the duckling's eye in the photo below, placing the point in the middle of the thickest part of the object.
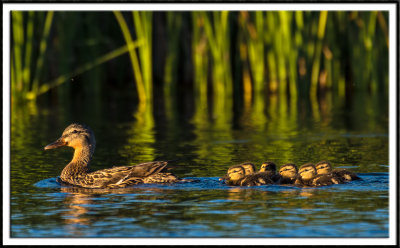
(75, 131)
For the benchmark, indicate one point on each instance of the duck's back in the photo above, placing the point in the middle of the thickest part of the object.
(345, 175)
(326, 179)
(122, 176)
(256, 179)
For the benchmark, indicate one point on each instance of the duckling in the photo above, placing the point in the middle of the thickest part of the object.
(248, 167)
(81, 138)
(308, 176)
(288, 173)
(270, 168)
(253, 178)
(324, 167)
(236, 176)
(306, 173)
(256, 179)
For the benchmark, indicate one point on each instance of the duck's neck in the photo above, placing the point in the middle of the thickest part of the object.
(79, 164)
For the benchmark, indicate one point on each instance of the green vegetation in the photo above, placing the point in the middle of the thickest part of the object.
(229, 56)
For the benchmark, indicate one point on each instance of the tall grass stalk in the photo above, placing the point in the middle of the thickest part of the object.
(200, 64)
(143, 28)
(134, 58)
(217, 31)
(19, 86)
(42, 51)
(317, 53)
(23, 85)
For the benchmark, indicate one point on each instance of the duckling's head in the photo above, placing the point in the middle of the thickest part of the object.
(288, 171)
(75, 136)
(268, 166)
(235, 173)
(323, 167)
(249, 168)
(307, 171)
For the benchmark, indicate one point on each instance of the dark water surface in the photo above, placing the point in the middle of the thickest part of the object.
(349, 134)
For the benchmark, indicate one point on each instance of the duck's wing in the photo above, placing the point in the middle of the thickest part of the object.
(147, 169)
(325, 179)
(256, 179)
(346, 175)
(122, 175)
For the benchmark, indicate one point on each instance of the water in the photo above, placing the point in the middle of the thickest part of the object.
(350, 136)
(208, 208)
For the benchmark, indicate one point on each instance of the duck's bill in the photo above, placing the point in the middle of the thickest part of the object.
(58, 143)
(223, 178)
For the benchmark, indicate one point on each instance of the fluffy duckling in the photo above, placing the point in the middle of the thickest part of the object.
(308, 177)
(324, 167)
(270, 168)
(249, 168)
(253, 178)
(256, 179)
(236, 176)
(81, 138)
(306, 173)
(288, 173)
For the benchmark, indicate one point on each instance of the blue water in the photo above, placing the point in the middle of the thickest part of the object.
(208, 208)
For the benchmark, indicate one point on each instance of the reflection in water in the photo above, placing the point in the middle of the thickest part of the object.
(77, 205)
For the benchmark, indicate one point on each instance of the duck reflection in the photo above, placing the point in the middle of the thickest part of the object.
(78, 201)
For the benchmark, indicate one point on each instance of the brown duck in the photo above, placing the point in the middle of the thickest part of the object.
(81, 138)
(270, 168)
(244, 175)
(307, 176)
(288, 173)
(324, 167)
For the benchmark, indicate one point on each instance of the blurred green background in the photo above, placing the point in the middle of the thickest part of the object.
(217, 58)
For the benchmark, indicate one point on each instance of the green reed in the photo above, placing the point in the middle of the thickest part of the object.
(134, 58)
(199, 48)
(25, 74)
(216, 28)
(236, 56)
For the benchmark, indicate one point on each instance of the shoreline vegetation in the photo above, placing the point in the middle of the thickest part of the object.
(217, 57)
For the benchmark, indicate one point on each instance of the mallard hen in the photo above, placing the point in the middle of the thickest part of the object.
(81, 138)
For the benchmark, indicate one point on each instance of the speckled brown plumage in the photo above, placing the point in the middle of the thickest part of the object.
(325, 167)
(270, 169)
(237, 175)
(288, 173)
(81, 138)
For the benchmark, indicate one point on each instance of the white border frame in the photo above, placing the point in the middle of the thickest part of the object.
(390, 7)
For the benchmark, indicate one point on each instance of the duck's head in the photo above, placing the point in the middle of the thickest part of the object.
(323, 167)
(268, 166)
(288, 171)
(235, 173)
(249, 168)
(307, 171)
(75, 136)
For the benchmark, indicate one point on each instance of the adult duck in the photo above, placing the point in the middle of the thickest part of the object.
(81, 138)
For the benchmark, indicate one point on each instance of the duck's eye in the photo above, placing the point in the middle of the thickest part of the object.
(75, 131)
